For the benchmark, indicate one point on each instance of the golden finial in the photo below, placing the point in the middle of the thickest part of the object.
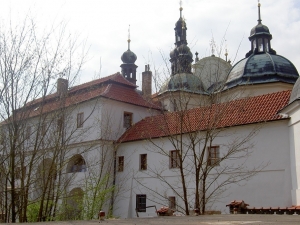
(180, 3)
(258, 3)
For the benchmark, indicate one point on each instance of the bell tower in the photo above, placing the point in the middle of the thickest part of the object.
(181, 57)
(128, 67)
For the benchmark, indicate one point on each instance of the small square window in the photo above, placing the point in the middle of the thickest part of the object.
(141, 203)
(127, 120)
(213, 156)
(172, 202)
(120, 163)
(174, 159)
(80, 120)
(143, 162)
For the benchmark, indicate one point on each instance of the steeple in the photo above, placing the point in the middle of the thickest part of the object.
(260, 38)
(181, 56)
(259, 17)
(128, 67)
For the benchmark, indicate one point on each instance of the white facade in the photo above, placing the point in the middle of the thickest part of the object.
(269, 187)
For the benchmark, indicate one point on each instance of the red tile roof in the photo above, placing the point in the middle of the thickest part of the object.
(238, 112)
(114, 87)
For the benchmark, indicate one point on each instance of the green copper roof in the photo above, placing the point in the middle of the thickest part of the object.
(262, 68)
(182, 81)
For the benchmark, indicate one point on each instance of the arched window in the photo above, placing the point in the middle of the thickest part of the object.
(254, 44)
(266, 45)
(76, 164)
(260, 45)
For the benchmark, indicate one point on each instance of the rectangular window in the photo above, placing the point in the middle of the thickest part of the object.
(213, 156)
(172, 202)
(80, 120)
(141, 203)
(20, 172)
(43, 129)
(143, 162)
(60, 125)
(28, 132)
(120, 163)
(174, 159)
(127, 119)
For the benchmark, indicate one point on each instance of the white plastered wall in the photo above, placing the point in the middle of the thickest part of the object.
(271, 187)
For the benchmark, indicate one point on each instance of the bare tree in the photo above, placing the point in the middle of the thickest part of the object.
(203, 170)
(35, 131)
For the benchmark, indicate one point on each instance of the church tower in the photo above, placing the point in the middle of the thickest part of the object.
(181, 57)
(128, 67)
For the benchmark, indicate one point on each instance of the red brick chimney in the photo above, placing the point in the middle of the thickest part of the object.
(62, 86)
(147, 82)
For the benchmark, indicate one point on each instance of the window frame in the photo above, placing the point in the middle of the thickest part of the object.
(213, 155)
(172, 202)
(140, 204)
(127, 123)
(43, 129)
(120, 163)
(80, 119)
(143, 161)
(20, 172)
(60, 124)
(174, 161)
(28, 132)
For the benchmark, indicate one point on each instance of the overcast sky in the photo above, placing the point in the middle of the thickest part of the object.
(104, 23)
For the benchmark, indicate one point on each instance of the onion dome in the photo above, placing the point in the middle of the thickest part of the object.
(128, 57)
(262, 64)
(183, 82)
(295, 92)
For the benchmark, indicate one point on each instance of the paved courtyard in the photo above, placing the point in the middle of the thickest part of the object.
(192, 220)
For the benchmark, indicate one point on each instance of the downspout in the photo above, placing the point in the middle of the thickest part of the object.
(114, 180)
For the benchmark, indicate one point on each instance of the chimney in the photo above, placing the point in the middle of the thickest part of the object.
(62, 86)
(147, 82)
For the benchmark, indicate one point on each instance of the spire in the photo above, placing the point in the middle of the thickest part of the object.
(226, 52)
(180, 9)
(212, 45)
(181, 56)
(128, 37)
(259, 17)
